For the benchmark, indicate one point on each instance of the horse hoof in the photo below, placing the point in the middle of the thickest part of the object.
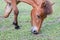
(17, 27)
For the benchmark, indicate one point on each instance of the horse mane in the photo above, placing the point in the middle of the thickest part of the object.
(48, 7)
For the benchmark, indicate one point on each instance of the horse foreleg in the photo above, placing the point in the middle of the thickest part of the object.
(15, 9)
(16, 21)
(8, 10)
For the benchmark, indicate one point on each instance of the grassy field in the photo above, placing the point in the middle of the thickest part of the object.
(50, 29)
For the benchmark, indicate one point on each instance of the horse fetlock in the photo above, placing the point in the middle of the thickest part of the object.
(14, 23)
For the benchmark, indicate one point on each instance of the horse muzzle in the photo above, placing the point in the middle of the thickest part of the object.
(34, 30)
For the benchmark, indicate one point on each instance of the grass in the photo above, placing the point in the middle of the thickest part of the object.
(50, 29)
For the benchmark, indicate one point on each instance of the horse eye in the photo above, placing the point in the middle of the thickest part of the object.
(38, 16)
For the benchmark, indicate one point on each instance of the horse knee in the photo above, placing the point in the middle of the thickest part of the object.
(5, 16)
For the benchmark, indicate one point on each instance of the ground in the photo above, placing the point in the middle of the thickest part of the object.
(50, 29)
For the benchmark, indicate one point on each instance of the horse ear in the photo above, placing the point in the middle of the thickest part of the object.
(43, 5)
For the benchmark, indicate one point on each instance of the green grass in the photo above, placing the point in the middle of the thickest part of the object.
(50, 29)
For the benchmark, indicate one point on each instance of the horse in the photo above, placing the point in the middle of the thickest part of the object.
(41, 8)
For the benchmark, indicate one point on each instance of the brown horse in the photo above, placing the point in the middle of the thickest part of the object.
(41, 8)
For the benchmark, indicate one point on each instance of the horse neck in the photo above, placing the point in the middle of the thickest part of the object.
(30, 2)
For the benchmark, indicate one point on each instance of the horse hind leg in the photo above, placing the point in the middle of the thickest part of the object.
(8, 10)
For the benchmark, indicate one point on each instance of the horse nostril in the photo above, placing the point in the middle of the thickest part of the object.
(34, 32)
